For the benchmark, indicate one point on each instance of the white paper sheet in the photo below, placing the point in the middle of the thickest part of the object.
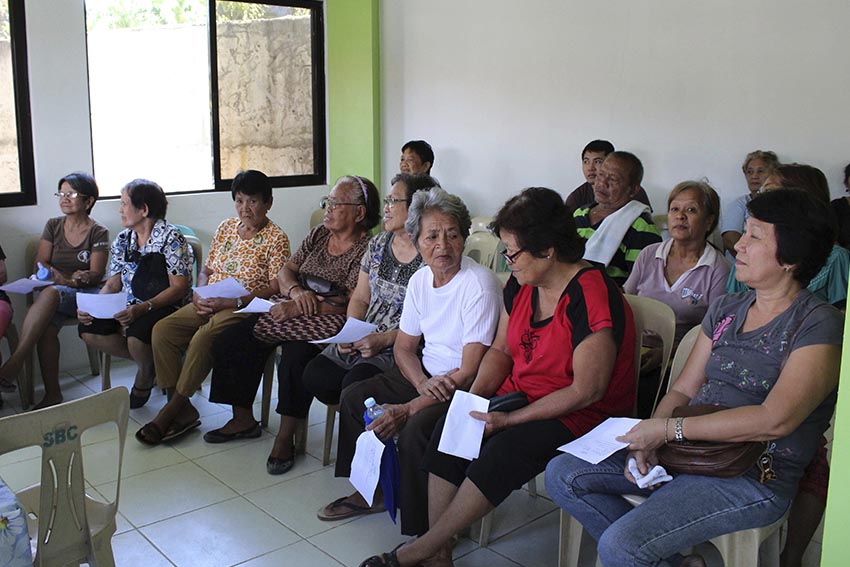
(102, 305)
(25, 285)
(353, 330)
(462, 434)
(257, 305)
(600, 443)
(366, 465)
(227, 289)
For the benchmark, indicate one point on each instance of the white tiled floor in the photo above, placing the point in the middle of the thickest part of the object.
(194, 504)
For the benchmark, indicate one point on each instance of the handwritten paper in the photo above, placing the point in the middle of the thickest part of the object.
(600, 442)
(227, 289)
(257, 305)
(353, 330)
(102, 305)
(366, 465)
(462, 433)
(25, 285)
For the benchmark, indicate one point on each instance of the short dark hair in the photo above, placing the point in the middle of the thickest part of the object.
(846, 174)
(368, 195)
(422, 149)
(709, 200)
(805, 231)
(252, 182)
(805, 177)
(414, 182)
(633, 163)
(143, 192)
(603, 146)
(82, 183)
(540, 220)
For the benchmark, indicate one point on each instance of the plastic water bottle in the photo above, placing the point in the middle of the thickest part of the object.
(43, 273)
(373, 410)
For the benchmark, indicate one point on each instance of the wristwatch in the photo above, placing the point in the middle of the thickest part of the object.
(239, 303)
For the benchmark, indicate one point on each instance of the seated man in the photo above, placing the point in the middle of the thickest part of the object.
(592, 156)
(416, 157)
(615, 225)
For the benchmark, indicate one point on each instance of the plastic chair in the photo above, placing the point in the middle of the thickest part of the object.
(652, 315)
(480, 224)
(482, 247)
(198, 253)
(70, 526)
(487, 521)
(316, 218)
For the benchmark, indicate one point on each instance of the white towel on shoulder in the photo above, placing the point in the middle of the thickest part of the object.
(603, 244)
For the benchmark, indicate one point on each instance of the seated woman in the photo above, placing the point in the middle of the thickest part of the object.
(252, 250)
(332, 251)
(757, 166)
(616, 226)
(453, 304)
(841, 208)
(152, 263)
(566, 340)
(389, 262)
(73, 248)
(686, 272)
(769, 356)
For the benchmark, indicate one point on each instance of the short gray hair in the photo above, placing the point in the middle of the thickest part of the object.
(438, 200)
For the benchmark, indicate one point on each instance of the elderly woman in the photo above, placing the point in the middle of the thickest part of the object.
(249, 248)
(770, 359)
(387, 266)
(73, 248)
(757, 166)
(685, 272)
(616, 226)
(841, 208)
(151, 262)
(331, 251)
(565, 339)
(453, 304)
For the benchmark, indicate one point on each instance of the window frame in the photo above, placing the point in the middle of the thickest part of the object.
(23, 115)
(317, 48)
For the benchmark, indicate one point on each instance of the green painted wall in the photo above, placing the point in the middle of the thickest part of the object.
(838, 503)
(354, 88)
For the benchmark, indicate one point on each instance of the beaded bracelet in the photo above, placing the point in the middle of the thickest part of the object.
(666, 423)
(680, 436)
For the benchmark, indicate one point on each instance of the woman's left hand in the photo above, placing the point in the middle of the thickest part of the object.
(213, 305)
(494, 420)
(647, 435)
(306, 301)
(131, 313)
(391, 422)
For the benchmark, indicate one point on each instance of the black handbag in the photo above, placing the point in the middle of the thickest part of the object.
(320, 286)
(508, 402)
(151, 277)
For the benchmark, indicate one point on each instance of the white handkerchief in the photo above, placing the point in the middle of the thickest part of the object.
(227, 289)
(462, 434)
(366, 465)
(102, 305)
(257, 305)
(656, 475)
(24, 285)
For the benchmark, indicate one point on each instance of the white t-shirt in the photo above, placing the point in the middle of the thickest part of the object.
(465, 310)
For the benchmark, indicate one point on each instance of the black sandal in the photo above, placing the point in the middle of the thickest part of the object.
(138, 401)
(388, 559)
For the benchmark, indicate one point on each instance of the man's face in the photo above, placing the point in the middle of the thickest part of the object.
(612, 189)
(411, 163)
(590, 164)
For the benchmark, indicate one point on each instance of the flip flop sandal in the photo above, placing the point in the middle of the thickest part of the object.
(138, 401)
(179, 429)
(349, 510)
(388, 559)
(150, 434)
(7, 387)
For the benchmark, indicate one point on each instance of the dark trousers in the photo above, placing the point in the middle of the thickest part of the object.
(326, 380)
(392, 388)
(238, 363)
(293, 399)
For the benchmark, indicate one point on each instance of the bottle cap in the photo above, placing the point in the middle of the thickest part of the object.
(369, 402)
(42, 273)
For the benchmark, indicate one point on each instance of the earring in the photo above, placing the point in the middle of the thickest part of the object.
(787, 268)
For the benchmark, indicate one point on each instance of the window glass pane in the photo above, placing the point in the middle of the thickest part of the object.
(10, 181)
(265, 89)
(149, 93)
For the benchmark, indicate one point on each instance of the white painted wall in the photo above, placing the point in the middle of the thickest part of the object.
(508, 93)
(62, 141)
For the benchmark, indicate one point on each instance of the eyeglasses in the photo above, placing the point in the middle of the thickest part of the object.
(391, 201)
(69, 195)
(511, 258)
(331, 204)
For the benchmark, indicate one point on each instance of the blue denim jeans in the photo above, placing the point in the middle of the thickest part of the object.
(688, 510)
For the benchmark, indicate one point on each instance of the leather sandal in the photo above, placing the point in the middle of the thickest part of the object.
(388, 559)
(341, 508)
(138, 401)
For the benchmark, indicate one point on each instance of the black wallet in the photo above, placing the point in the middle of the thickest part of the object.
(508, 402)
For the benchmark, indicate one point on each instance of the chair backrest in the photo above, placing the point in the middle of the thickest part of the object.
(63, 528)
(683, 351)
(481, 247)
(480, 224)
(316, 218)
(197, 248)
(652, 315)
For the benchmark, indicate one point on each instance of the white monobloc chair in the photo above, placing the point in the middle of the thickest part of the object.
(736, 549)
(70, 527)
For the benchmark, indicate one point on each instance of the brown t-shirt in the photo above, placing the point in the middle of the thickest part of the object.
(68, 259)
(314, 259)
